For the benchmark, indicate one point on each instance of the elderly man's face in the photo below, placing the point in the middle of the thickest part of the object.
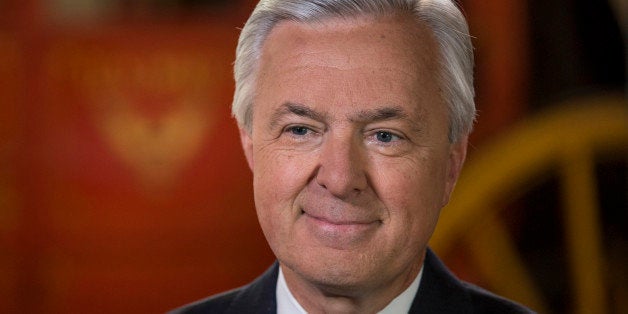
(349, 150)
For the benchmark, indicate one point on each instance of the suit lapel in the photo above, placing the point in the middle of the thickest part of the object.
(259, 296)
(440, 291)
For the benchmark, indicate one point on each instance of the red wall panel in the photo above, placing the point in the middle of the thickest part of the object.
(11, 80)
(138, 198)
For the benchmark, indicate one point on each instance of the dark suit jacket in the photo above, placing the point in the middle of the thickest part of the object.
(439, 292)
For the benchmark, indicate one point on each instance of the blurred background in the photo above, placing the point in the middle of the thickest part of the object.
(123, 188)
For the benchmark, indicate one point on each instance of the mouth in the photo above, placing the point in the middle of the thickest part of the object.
(339, 232)
(339, 221)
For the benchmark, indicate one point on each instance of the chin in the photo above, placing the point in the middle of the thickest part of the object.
(337, 274)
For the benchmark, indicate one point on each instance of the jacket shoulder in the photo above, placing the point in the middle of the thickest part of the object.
(485, 301)
(257, 297)
(219, 303)
(441, 292)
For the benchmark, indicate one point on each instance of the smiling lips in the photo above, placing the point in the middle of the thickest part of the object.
(339, 232)
(339, 222)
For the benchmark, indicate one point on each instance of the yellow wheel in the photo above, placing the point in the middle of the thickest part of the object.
(568, 141)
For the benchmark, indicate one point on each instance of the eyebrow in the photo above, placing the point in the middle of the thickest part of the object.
(379, 114)
(362, 116)
(390, 113)
(296, 109)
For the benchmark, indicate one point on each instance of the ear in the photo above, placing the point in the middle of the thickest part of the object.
(247, 146)
(457, 156)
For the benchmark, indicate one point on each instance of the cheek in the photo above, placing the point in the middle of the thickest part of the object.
(278, 178)
(412, 190)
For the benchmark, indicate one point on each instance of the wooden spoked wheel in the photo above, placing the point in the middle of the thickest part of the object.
(566, 141)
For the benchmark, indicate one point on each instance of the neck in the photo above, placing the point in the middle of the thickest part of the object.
(357, 298)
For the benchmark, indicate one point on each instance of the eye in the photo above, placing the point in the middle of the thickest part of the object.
(298, 130)
(386, 137)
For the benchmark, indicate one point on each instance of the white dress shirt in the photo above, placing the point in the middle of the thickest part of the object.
(287, 304)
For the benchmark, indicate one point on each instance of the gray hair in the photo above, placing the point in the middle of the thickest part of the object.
(442, 16)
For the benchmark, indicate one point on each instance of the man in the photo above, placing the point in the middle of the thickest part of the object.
(354, 117)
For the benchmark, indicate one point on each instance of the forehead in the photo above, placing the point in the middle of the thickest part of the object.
(345, 42)
(388, 60)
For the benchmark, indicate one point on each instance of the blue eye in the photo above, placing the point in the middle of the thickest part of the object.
(384, 136)
(299, 130)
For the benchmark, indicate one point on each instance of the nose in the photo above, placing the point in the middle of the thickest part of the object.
(342, 167)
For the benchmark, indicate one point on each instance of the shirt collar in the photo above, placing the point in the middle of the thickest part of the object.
(403, 302)
(287, 304)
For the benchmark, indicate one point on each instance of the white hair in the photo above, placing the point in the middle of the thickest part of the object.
(443, 17)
